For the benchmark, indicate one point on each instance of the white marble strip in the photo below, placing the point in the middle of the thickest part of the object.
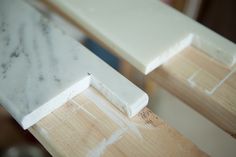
(41, 68)
(146, 33)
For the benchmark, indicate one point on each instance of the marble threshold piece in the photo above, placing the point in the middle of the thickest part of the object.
(41, 68)
(146, 33)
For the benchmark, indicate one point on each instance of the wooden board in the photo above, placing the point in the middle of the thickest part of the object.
(89, 125)
(146, 33)
(204, 84)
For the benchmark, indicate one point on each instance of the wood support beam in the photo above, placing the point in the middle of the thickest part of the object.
(206, 85)
(89, 125)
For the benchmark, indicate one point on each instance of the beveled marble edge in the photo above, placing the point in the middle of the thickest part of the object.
(45, 109)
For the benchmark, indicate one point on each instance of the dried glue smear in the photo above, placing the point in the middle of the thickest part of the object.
(212, 91)
(102, 146)
(117, 117)
(82, 108)
(190, 79)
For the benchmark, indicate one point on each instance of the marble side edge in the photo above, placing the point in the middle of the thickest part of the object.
(55, 103)
(129, 106)
(169, 53)
(138, 105)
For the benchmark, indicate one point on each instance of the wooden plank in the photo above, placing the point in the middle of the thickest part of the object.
(204, 84)
(89, 125)
(141, 32)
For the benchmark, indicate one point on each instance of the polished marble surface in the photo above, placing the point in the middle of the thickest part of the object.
(146, 33)
(41, 67)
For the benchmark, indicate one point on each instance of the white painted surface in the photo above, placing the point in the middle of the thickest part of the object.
(206, 135)
(146, 33)
(41, 68)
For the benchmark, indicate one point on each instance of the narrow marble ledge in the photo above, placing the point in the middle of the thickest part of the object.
(41, 68)
(146, 33)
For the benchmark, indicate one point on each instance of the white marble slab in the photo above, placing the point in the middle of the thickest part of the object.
(41, 68)
(145, 32)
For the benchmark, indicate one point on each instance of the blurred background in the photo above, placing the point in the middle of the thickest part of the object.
(217, 15)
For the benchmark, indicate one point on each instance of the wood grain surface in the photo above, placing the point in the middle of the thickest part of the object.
(204, 84)
(89, 125)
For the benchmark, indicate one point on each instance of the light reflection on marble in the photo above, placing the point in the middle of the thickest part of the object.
(38, 62)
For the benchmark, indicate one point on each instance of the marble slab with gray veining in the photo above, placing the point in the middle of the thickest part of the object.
(41, 68)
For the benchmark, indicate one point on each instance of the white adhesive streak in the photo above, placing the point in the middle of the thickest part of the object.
(102, 146)
(43, 132)
(117, 117)
(212, 91)
(190, 79)
(82, 108)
